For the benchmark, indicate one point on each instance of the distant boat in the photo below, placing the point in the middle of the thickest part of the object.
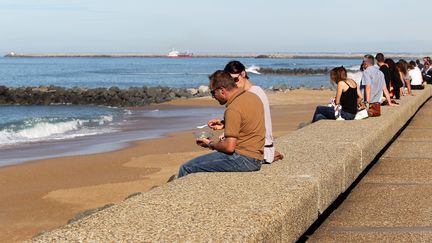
(11, 54)
(176, 54)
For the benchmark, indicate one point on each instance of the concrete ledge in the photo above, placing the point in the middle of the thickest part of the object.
(276, 204)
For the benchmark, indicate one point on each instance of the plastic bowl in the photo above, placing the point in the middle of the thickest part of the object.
(203, 134)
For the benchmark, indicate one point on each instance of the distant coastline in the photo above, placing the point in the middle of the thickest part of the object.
(223, 55)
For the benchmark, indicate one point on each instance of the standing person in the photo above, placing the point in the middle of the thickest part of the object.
(383, 67)
(242, 148)
(238, 71)
(373, 84)
(416, 76)
(396, 80)
(348, 95)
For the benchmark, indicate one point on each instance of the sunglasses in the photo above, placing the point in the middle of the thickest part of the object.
(212, 92)
(236, 79)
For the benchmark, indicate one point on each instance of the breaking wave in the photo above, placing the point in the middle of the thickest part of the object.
(45, 129)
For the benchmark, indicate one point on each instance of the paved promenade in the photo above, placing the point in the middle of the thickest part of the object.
(393, 202)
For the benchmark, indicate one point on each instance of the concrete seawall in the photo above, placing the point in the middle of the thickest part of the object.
(277, 204)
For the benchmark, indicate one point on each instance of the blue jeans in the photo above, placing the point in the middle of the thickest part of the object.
(325, 112)
(220, 162)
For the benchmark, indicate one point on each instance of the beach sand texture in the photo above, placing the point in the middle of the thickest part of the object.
(42, 195)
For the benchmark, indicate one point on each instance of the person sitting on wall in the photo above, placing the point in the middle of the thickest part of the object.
(416, 76)
(396, 81)
(238, 71)
(427, 73)
(373, 84)
(347, 95)
(242, 148)
(405, 77)
(384, 68)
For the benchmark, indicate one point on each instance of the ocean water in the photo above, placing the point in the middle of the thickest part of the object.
(172, 72)
(34, 132)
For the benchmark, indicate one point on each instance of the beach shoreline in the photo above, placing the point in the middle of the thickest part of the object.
(44, 194)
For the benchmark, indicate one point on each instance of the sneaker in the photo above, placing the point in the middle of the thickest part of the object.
(173, 177)
(303, 124)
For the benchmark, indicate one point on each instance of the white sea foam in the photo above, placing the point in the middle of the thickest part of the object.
(253, 69)
(127, 112)
(356, 76)
(35, 130)
(104, 120)
(354, 68)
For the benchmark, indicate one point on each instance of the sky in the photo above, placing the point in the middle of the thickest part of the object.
(223, 26)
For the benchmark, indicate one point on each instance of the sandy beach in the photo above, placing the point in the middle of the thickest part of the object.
(41, 195)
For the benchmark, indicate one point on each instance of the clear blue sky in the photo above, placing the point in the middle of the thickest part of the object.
(156, 26)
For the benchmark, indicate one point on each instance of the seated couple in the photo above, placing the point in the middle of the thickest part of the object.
(247, 141)
(348, 96)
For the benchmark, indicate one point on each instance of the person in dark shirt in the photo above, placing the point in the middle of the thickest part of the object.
(387, 73)
(348, 96)
(427, 73)
(419, 65)
(395, 81)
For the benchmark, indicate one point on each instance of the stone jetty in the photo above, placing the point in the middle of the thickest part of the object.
(114, 96)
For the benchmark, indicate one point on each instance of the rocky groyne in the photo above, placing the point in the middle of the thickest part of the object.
(295, 71)
(113, 96)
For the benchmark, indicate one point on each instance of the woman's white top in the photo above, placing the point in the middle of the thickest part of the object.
(268, 151)
(416, 76)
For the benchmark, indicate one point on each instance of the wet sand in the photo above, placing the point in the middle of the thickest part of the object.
(41, 195)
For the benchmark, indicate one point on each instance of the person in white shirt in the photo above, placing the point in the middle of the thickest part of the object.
(238, 72)
(416, 76)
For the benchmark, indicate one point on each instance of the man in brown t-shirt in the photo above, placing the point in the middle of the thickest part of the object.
(242, 148)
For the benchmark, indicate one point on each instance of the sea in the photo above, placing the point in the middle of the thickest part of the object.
(31, 132)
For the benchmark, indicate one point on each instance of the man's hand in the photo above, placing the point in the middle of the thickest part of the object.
(215, 124)
(203, 142)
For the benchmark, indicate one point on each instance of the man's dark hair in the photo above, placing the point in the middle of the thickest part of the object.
(391, 64)
(369, 59)
(379, 57)
(235, 67)
(412, 65)
(222, 79)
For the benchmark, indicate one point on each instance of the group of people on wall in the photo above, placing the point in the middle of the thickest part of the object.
(247, 140)
(382, 78)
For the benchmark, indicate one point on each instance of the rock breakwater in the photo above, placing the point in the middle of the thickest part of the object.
(114, 96)
(295, 71)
